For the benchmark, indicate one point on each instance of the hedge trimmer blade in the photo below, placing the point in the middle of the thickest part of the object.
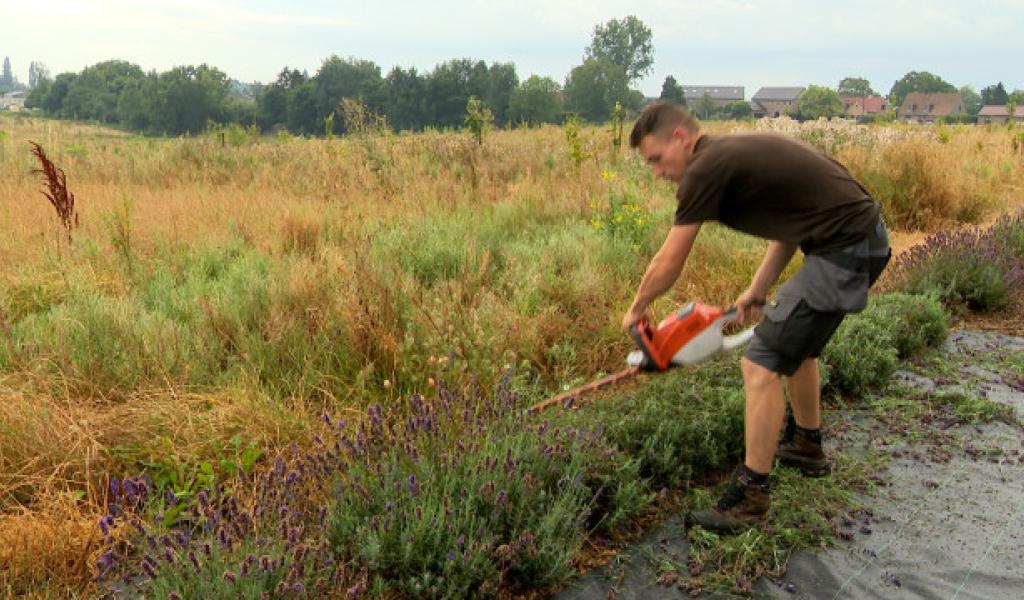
(594, 385)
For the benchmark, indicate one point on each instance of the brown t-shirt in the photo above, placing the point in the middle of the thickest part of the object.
(776, 188)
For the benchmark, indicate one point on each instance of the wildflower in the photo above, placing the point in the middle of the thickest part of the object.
(414, 486)
(230, 577)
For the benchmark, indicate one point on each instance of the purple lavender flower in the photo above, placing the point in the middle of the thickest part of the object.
(149, 567)
(414, 486)
(230, 577)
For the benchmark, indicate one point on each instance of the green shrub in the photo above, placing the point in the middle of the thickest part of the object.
(861, 355)
(915, 322)
(455, 500)
(679, 426)
(970, 267)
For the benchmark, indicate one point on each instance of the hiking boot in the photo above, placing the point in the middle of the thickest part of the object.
(742, 505)
(803, 452)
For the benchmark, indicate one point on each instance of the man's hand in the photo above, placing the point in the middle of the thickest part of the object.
(748, 306)
(632, 317)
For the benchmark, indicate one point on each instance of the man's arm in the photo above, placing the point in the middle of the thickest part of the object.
(772, 265)
(663, 271)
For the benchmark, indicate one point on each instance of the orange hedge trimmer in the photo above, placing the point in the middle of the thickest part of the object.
(686, 337)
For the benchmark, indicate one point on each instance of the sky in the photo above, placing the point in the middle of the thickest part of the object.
(708, 42)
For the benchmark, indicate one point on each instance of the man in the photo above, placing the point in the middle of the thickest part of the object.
(792, 195)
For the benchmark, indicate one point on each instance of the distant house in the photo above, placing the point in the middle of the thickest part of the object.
(857, 106)
(919, 107)
(13, 100)
(998, 114)
(775, 101)
(720, 95)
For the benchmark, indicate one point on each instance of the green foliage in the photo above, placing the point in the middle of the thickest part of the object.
(678, 426)
(855, 86)
(593, 88)
(502, 83)
(219, 575)
(819, 101)
(572, 137)
(994, 94)
(621, 216)
(625, 43)
(672, 91)
(736, 110)
(915, 321)
(862, 355)
(972, 100)
(615, 128)
(705, 109)
(537, 100)
(917, 81)
(512, 502)
(479, 119)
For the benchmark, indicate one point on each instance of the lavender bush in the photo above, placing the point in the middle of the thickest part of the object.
(453, 501)
(976, 268)
(218, 547)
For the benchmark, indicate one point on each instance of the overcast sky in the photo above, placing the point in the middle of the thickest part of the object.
(707, 42)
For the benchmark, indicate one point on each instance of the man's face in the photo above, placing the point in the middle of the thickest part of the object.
(669, 155)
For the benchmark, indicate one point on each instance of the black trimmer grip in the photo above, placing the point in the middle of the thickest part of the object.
(643, 337)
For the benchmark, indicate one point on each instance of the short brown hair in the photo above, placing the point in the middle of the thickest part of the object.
(661, 118)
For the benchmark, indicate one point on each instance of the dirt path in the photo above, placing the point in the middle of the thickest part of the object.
(946, 525)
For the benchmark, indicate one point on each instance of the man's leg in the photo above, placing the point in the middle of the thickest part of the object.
(805, 394)
(801, 444)
(746, 500)
(764, 410)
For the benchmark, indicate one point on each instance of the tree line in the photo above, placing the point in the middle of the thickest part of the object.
(187, 99)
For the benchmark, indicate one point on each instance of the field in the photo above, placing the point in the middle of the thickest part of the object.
(220, 294)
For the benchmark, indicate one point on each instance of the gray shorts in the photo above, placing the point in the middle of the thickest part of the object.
(810, 306)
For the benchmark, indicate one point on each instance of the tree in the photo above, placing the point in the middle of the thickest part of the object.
(819, 101)
(346, 78)
(53, 102)
(449, 87)
(994, 94)
(736, 110)
(672, 91)
(95, 91)
(537, 100)
(7, 75)
(623, 42)
(1017, 97)
(972, 101)
(593, 88)
(185, 98)
(705, 109)
(917, 81)
(855, 86)
(405, 106)
(502, 82)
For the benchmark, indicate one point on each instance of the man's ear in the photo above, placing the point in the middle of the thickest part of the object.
(681, 134)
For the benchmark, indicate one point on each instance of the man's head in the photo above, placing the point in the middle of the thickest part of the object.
(665, 135)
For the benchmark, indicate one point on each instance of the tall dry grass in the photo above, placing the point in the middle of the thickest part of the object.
(219, 290)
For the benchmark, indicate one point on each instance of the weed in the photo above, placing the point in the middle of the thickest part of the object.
(62, 200)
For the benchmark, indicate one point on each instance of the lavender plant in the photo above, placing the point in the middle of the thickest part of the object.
(976, 268)
(220, 547)
(455, 500)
